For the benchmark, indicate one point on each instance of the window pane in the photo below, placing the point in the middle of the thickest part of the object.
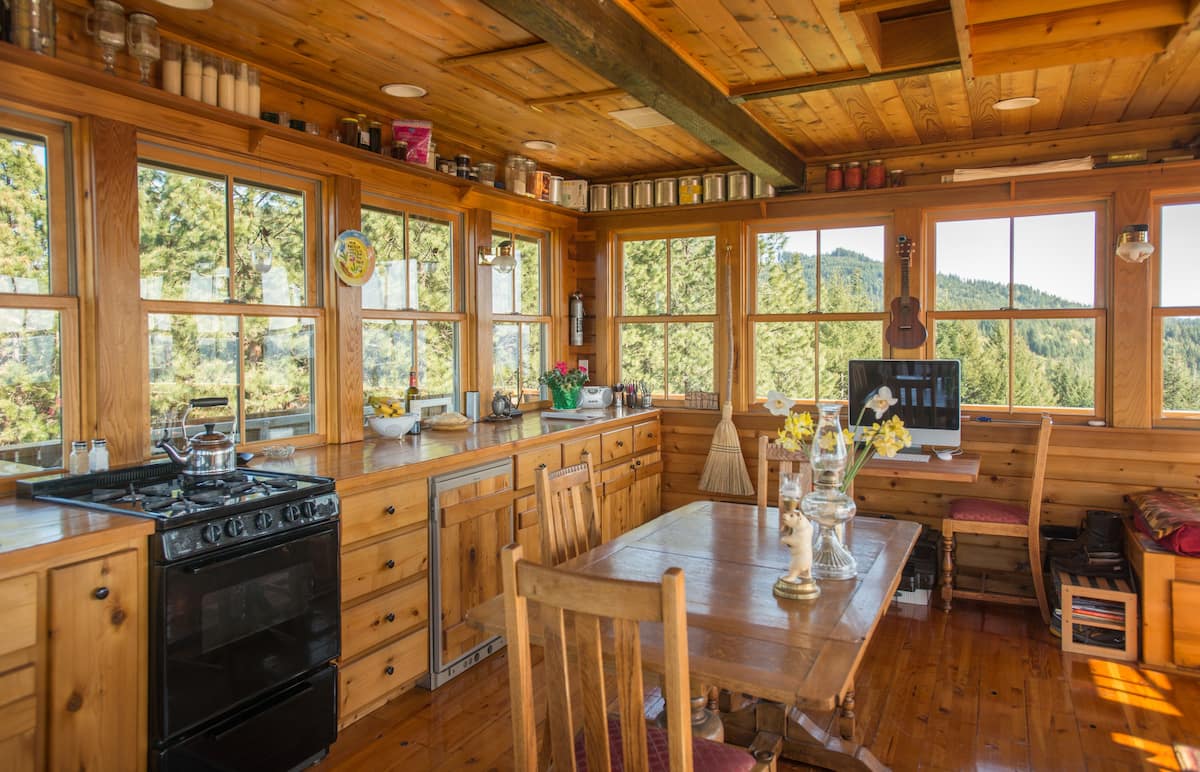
(694, 275)
(644, 265)
(972, 264)
(24, 212)
(642, 356)
(982, 348)
(852, 269)
(528, 275)
(387, 286)
(1180, 270)
(1054, 362)
(432, 250)
(30, 391)
(689, 358)
(784, 357)
(387, 357)
(182, 236)
(279, 356)
(506, 357)
(437, 359)
(533, 364)
(192, 356)
(504, 292)
(269, 248)
(787, 269)
(841, 342)
(1181, 363)
(1054, 260)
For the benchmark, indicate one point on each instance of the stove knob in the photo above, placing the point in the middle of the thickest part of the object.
(211, 533)
(234, 527)
(310, 510)
(291, 513)
(263, 521)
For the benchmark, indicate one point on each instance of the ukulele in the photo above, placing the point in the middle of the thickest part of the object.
(905, 329)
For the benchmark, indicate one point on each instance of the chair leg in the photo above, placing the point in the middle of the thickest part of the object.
(947, 570)
(1039, 575)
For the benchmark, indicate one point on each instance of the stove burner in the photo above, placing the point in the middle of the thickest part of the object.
(158, 504)
(206, 497)
(280, 483)
(108, 494)
(158, 490)
(240, 488)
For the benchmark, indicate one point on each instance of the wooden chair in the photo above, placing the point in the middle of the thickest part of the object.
(602, 604)
(768, 451)
(993, 518)
(568, 511)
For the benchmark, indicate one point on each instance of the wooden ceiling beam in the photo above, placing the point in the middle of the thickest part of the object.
(1187, 29)
(789, 86)
(469, 60)
(984, 11)
(1078, 24)
(609, 41)
(915, 41)
(868, 36)
(962, 36)
(578, 96)
(1132, 44)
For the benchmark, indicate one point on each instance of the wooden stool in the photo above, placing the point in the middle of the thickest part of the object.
(1077, 591)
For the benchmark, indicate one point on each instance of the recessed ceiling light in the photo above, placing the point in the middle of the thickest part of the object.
(189, 5)
(1016, 103)
(539, 144)
(403, 90)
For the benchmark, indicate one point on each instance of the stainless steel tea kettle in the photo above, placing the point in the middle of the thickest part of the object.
(210, 452)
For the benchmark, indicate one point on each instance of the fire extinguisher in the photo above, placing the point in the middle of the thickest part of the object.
(577, 318)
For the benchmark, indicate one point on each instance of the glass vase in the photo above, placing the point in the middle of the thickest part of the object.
(828, 507)
(566, 397)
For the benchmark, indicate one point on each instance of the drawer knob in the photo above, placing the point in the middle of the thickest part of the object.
(541, 466)
(389, 670)
(390, 564)
(390, 510)
(620, 443)
(650, 435)
(638, 463)
(100, 593)
(390, 617)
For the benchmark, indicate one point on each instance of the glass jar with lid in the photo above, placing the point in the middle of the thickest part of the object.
(531, 182)
(876, 174)
(853, 176)
(514, 174)
(834, 180)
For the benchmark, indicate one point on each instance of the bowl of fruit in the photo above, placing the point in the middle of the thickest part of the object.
(390, 420)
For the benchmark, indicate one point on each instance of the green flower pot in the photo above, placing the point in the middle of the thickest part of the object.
(566, 398)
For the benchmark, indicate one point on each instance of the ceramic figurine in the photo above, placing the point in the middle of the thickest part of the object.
(797, 583)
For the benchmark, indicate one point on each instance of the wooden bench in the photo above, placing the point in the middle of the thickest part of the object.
(1166, 582)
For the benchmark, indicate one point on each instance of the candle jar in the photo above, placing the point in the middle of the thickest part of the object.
(834, 180)
(853, 176)
(876, 174)
(142, 34)
(193, 73)
(172, 67)
(106, 23)
(254, 94)
(241, 88)
(209, 80)
(227, 85)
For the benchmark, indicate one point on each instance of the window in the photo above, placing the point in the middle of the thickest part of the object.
(520, 318)
(818, 303)
(230, 295)
(1015, 300)
(38, 312)
(411, 308)
(668, 313)
(1178, 310)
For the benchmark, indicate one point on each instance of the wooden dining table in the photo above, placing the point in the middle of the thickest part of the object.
(778, 662)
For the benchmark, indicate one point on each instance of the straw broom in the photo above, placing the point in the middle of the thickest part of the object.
(725, 469)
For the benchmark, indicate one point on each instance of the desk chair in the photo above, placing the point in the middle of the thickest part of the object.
(994, 518)
(600, 604)
(568, 511)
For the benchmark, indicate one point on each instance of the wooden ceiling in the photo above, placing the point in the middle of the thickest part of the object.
(817, 79)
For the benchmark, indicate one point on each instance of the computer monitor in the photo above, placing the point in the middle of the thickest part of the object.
(926, 393)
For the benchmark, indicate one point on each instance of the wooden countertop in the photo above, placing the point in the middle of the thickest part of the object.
(428, 452)
(32, 531)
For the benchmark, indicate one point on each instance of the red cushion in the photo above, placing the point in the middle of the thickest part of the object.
(1171, 519)
(707, 756)
(985, 511)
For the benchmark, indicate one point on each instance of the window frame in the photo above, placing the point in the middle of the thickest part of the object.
(58, 137)
(546, 265)
(234, 171)
(379, 201)
(1179, 419)
(1098, 312)
(750, 277)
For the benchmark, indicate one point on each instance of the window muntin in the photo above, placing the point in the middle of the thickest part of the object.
(1015, 300)
(521, 318)
(818, 303)
(1178, 311)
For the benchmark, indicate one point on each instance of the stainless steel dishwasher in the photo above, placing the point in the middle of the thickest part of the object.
(470, 521)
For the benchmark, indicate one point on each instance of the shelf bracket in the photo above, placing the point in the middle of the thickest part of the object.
(256, 138)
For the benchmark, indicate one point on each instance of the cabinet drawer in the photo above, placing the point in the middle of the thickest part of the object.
(646, 436)
(380, 672)
(18, 613)
(529, 460)
(371, 513)
(375, 566)
(373, 621)
(616, 444)
(572, 452)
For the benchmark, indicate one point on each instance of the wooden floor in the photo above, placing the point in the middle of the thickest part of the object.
(985, 688)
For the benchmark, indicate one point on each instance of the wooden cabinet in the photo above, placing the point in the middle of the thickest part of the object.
(528, 527)
(384, 510)
(573, 450)
(616, 444)
(646, 436)
(630, 494)
(389, 670)
(384, 563)
(528, 462)
(18, 719)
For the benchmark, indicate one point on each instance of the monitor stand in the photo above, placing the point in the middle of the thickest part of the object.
(910, 454)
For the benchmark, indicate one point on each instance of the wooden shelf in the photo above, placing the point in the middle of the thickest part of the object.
(963, 468)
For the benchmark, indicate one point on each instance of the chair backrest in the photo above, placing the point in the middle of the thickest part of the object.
(788, 461)
(1037, 486)
(591, 599)
(568, 511)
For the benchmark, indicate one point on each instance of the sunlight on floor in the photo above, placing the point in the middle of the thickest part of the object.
(1158, 754)
(1126, 685)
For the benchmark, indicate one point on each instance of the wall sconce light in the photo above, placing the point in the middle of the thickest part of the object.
(1133, 245)
(504, 259)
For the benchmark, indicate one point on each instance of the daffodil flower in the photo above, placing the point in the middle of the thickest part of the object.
(778, 403)
(881, 402)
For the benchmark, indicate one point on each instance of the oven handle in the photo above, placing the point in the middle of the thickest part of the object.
(221, 731)
(223, 560)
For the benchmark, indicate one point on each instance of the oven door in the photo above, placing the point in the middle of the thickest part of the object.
(233, 625)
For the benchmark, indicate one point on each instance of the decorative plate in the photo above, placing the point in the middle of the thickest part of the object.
(353, 258)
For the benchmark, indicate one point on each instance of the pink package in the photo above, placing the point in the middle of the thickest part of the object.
(417, 134)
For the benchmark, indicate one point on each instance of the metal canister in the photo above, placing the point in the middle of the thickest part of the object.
(447, 166)
(555, 189)
(714, 186)
(738, 186)
(666, 191)
(462, 166)
(690, 190)
(622, 195)
(762, 188)
(598, 198)
(643, 194)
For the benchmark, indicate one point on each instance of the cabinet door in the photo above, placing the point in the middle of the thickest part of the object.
(647, 491)
(529, 527)
(616, 503)
(95, 634)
